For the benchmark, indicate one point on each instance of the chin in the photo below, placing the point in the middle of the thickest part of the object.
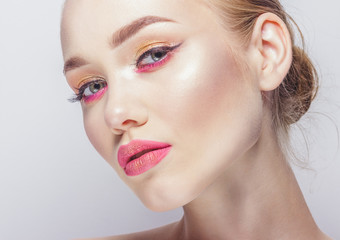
(160, 196)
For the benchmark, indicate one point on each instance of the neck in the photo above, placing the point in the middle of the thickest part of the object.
(257, 198)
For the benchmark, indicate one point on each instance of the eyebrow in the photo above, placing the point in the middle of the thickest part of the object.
(131, 29)
(118, 37)
(73, 63)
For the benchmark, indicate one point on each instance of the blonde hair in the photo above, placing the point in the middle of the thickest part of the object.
(292, 99)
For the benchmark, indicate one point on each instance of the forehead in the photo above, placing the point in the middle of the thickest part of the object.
(89, 18)
(125, 9)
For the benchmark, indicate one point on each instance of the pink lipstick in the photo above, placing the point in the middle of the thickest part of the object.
(139, 156)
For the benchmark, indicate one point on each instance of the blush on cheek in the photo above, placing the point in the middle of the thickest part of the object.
(95, 96)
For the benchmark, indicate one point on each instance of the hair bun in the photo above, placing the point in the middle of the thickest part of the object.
(298, 89)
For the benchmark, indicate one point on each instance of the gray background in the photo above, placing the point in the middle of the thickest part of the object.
(54, 186)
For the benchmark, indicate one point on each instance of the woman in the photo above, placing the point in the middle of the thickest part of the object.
(191, 102)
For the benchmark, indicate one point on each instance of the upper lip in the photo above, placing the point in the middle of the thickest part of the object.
(137, 148)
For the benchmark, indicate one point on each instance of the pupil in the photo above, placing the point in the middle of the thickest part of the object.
(158, 54)
(95, 87)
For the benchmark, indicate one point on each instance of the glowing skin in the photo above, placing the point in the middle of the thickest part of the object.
(198, 100)
(190, 93)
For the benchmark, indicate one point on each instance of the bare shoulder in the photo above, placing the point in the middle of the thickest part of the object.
(167, 232)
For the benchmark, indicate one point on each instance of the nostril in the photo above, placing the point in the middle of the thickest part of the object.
(121, 119)
(129, 123)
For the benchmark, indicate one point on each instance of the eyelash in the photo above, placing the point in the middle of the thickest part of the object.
(80, 96)
(166, 50)
(140, 68)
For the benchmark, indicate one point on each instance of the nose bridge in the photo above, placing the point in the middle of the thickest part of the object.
(123, 109)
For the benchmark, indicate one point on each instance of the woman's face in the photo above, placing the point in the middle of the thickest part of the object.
(170, 79)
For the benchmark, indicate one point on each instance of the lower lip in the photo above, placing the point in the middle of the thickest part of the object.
(146, 161)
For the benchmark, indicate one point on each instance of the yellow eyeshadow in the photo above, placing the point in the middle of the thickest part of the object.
(149, 45)
(86, 80)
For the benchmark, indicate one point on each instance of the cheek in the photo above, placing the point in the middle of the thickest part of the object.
(204, 93)
(214, 114)
(218, 105)
(97, 132)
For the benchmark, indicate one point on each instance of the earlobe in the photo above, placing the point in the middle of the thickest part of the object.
(272, 42)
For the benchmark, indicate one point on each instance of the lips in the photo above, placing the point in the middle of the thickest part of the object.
(139, 156)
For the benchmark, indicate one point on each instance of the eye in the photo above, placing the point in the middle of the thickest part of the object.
(90, 91)
(154, 57)
(93, 88)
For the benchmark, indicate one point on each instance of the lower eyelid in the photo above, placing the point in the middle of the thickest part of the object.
(150, 67)
(95, 96)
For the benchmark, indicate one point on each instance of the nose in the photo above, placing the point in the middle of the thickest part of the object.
(123, 113)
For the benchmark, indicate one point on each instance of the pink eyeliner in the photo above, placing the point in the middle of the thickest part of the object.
(150, 67)
(95, 96)
(139, 156)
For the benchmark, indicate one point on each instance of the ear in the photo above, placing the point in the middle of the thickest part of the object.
(272, 50)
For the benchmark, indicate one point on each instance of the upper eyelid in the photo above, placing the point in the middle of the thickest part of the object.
(153, 49)
(88, 80)
(148, 46)
(165, 47)
(86, 84)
